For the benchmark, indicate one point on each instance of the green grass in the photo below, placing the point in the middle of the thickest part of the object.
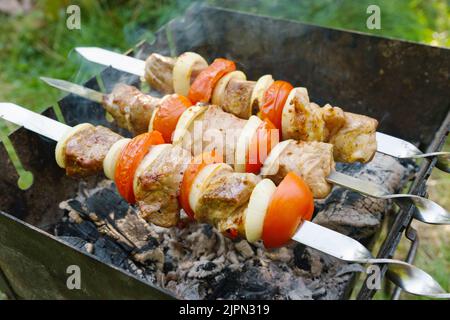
(39, 43)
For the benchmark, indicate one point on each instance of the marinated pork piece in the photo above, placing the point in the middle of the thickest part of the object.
(238, 94)
(86, 150)
(219, 130)
(159, 185)
(334, 118)
(313, 161)
(356, 140)
(303, 120)
(224, 200)
(131, 108)
(158, 72)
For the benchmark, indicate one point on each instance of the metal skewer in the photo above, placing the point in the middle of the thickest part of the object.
(428, 211)
(410, 278)
(390, 145)
(387, 144)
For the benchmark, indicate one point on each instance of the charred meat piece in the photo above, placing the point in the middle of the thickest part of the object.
(158, 187)
(131, 108)
(313, 161)
(158, 72)
(219, 130)
(224, 200)
(86, 150)
(356, 140)
(238, 94)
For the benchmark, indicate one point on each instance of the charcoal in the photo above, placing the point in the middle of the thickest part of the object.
(353, 214)
(197, 262)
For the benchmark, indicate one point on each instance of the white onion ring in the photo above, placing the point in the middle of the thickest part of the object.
(257, 209)
(219, 90)
(185, 120)
(260, 89)
(61, 145)
(270, 166)
(152, 119)
(182, 71)
(247, 133)
(110, 161)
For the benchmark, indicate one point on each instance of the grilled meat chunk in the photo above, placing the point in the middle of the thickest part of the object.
(352, 135)
(304, 121)
(313, 161)
(238, 94)
(356, 140)
(158, 72)
(334, 118)
(220, 130)
(158, 187)
(224, 200)
(86, 150)
(131, 108)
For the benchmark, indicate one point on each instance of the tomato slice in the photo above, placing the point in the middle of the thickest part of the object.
(260, 146)
(203, 85)
(273, 102)
(169, 112)
(291, 203)
(196, 165)
(129, 159)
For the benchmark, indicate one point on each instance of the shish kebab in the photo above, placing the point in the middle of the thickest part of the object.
(287, 108)
(352, 135)
(255, 208)
(174, 116)
(161, 76)
(313, 161)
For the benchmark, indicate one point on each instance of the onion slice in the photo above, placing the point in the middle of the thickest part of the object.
(61, 145)
(257, 208)
(219, 90)
(186, 119)
(182, 71)
(150, 157)
(270, 166)
(152, 119)
(110, 161)
(201, 181)
(260, 88)
(247, 133)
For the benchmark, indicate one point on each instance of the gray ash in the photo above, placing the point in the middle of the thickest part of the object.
(197, 262)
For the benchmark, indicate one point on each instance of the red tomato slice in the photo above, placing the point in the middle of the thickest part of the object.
(260, 146)
(203, 85)
(274, 99)
(291, 203)
(129, 160)
(169, 112)
(197, 164)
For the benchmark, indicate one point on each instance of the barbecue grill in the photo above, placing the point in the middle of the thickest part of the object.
(403, 85)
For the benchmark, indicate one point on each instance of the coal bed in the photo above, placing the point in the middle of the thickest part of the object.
(195, 261)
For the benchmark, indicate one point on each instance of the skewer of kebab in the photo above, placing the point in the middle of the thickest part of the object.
(163, 74)
(353, 141)
(228, 200)
(313, 161)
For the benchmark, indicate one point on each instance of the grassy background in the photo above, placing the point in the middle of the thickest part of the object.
(38, 43)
